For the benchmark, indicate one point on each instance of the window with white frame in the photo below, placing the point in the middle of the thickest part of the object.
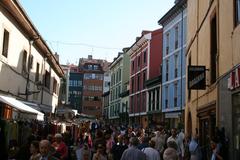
(166, 97)
(176, 65)
(175, 94)
(167, 69)
(167, 43)
(176, 36)
(5, 43)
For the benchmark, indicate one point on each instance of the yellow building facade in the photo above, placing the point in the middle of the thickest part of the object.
(213, 41)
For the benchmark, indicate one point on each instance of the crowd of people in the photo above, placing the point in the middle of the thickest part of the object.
(116, 143)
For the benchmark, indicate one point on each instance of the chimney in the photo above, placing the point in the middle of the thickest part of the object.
(89, 57)
(56, 56)
(125, 49)
(119, 53)
(137, 38)
(145, 32)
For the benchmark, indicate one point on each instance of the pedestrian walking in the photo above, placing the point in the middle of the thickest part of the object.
(83, 153)
(215, 150)
(44, 148)
(151, 152)
(179, 141)
(60, 147)
(160, 140)
(34, 150)
(170, 154)
(194, 149)
(118, 148)
(99, 155)
(133, 153)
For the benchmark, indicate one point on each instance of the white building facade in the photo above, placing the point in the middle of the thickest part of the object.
(28, 69)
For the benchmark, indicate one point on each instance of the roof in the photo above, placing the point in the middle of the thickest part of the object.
(19, 15)
(172, 11)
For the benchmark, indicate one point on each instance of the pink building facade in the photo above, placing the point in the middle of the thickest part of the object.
(143, 65)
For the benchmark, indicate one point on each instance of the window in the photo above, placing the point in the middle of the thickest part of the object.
(113, 78)
(47, 79)
(37, 73)
(167, 44)
(5, 43)
(176, 65)
(138, 103)
(120, 74)
(132, 66)
(138, 82)
(119, 90)
(166, 97)
(175, 94)
(132, 85)
(54, 86)
(176, 37)
(158, 99)
(117, 77)
(167, 69)
(95, 67)
(237, 12)
(144, 79)
(89, 67)
(149, 101)
(132, 105)
(79, 83)
(145, 57)
(144, 99)
(213, 54)
(24, 62)
(139, 62)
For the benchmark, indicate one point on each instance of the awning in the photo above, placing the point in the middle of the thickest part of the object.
(33, 105)
(45, 108)
(21, 106)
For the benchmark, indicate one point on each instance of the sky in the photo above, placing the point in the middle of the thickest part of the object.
(78, 28)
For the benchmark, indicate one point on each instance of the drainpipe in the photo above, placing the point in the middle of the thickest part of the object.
(44, 58)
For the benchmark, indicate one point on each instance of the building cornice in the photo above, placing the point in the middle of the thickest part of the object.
(118, 59)
(143, 39)
(173, 12)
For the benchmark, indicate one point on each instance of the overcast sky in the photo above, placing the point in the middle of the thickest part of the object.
(77, 28)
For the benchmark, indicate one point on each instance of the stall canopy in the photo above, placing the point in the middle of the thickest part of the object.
(21, 106)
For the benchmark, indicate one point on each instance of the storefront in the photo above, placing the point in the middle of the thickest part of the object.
(12, 108)
(207, 125)
(229, 110)
(173, 120)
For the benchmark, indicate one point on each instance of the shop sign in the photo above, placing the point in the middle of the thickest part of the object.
(197, 77)
(172, 115)
(234, 79)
